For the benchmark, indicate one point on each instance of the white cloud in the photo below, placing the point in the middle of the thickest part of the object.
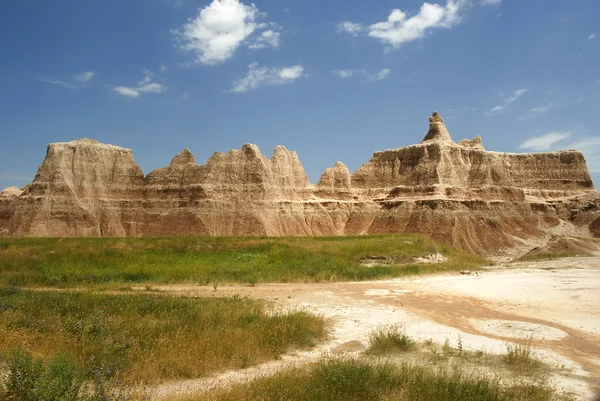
(53, 81)
(145, 85)
(502, 107)
(79, 80)
(541, 110)
(349, 27)
(85, 76)
(268, 38)
(383, 74)
(127, 91)
(258, 76)
(221, 28)
(545, 142)
(376, 76)
(591, 36)
(162, 68)
(399, 28)
(345, 74)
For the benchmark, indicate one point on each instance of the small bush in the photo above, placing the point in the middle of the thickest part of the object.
(519, 356)
(390, 339)
(30, 380)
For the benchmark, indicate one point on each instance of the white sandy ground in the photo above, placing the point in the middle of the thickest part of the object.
(556, 303)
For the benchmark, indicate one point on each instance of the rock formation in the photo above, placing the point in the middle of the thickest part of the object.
(458, 193)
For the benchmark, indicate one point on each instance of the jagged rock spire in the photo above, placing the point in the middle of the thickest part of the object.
(183, 158)
(437, 130)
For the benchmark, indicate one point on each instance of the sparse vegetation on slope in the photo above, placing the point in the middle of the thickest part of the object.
(149, 339)
(64, 262)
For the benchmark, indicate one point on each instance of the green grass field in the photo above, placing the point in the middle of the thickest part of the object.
(81, 261)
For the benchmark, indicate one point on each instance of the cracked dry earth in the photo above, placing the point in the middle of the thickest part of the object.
(557, 303)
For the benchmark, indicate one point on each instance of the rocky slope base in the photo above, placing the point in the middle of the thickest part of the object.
(458, 193)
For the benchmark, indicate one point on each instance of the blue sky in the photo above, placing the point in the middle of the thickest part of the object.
(332, 80)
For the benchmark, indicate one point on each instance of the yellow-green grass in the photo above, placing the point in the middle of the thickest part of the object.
(145, 338)
(208, 260)
(354, 379)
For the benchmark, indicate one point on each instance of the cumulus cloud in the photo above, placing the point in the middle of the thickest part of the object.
(400, 28)
(221, 28)
(545, 142)
(78, 81)
(145, 85)
(259, 76)
(502, 107)
(349, 27)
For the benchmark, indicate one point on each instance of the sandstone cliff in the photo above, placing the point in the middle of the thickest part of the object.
(458, 193)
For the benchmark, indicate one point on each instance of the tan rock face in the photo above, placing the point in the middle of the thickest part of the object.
(458, 193)
(11, 192)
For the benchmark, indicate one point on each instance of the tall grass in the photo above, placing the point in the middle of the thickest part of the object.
(143, 338)
(389, 339)
(62, 262)
(349, 379)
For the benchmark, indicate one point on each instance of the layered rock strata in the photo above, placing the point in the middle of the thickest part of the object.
(458, 193)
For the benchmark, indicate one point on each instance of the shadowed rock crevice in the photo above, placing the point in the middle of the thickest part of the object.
(458, 193)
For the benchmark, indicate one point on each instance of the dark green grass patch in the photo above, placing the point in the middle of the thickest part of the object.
(204, 260)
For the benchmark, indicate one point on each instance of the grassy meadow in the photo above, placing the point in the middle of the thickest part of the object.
(148, 339)
(208, 260)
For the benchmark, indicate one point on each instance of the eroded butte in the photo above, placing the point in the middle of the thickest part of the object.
(458, 193)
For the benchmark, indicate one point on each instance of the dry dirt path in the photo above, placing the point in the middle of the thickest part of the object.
(557, 303)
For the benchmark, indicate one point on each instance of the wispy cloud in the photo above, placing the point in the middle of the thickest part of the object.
(376, 76)
(491, 2)
(85, 77)
(591, 36)
(545, 142)
(145, 85)
(259, 76)
(221, 28)
(78, 81)
(501, 108)
(345, 74)
(268, 38)
(383, 74)
(541, 110)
